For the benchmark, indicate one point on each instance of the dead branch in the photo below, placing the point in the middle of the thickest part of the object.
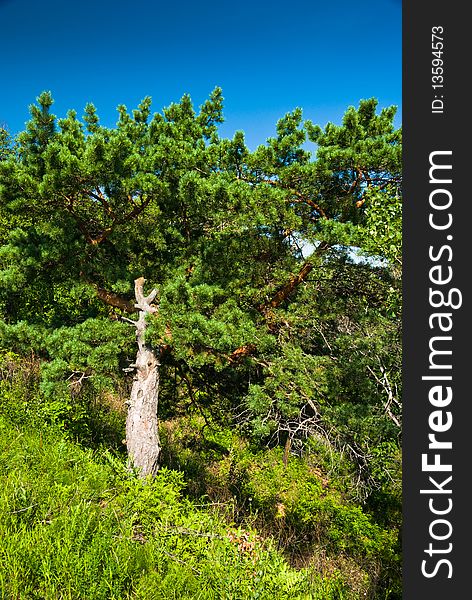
(113, 299)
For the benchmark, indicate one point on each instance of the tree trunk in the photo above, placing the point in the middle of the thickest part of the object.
(142, 436)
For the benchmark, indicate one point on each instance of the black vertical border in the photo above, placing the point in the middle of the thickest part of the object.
(425, 132)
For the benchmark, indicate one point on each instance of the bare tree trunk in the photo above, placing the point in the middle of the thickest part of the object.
(142, 436)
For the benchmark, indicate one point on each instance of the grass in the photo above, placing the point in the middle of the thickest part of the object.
(75, 525)
(220, 521)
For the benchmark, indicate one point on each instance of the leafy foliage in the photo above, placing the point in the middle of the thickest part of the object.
(279, 287)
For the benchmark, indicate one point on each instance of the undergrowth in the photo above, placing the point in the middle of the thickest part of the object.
(222, 520)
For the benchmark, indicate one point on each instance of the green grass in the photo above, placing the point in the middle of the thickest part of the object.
(74, 524)
(220, 521)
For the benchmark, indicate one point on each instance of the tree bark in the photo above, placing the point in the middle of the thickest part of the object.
(142, 436)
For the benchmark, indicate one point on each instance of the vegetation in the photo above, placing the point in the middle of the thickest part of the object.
(276, 329)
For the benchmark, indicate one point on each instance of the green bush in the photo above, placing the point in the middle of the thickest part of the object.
(222, 520)
(75, 524)
(305, 507)
(81, 414)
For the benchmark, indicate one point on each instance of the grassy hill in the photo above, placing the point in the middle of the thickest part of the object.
(222, 520)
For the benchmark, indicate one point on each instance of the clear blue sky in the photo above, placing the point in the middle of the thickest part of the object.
(269, 57)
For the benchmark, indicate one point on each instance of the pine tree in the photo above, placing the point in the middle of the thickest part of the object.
(240, 315)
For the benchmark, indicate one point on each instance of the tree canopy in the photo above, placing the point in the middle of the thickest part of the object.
(278, 270)
(271, 307)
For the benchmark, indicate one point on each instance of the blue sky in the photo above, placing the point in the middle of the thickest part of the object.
(269, 57)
